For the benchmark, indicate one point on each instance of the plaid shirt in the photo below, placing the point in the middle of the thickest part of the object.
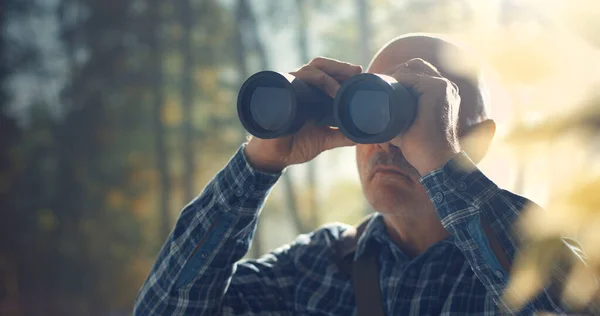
(198, 271)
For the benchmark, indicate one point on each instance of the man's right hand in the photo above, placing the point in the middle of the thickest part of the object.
(273, 155)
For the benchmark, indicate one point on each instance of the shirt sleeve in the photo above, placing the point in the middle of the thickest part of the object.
(463, 196)
(194, 267)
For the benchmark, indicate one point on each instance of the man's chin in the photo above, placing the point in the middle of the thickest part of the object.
(392, 184)
(387, 198)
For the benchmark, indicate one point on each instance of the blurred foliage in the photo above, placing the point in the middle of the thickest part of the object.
(555, 78)
(80, 185)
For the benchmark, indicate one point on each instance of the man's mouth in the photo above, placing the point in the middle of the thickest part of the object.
(387, 170)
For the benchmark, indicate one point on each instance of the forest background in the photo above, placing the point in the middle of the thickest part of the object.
(115, 114)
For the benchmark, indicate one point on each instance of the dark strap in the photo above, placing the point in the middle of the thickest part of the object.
(345, 247)
(364, 272)
(366, 286)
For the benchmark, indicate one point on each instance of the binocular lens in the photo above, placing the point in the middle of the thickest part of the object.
(273, 104)
(370, 111)
(368, 108)
(371, 108)
(270, 107)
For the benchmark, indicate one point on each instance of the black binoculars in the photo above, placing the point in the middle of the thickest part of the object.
(368, 108)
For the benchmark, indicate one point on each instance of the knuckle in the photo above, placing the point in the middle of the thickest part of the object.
(446, 86)
(318, 61)
(321, 78)
(349, 65)
(454, 86)
(423, 65)
(442, 84)
(306, 68)
(417, 62)
(400, 69)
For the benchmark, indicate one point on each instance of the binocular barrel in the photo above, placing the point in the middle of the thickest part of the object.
(368, 108)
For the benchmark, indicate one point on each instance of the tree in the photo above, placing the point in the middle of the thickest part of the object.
(311, 166)
(365, 38)
(78, 168)
(246, 25)
(187, 68)
(162, 158)
(10, 220)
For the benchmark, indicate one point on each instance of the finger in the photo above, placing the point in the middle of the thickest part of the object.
(334, 139)
(409, 78)
(404, 69)
(335, 68)
(419, 73)
(418, 66)
(319, 79)
(423, 66)
(422, 84)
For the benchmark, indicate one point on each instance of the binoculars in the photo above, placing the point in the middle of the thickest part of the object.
(367, 109)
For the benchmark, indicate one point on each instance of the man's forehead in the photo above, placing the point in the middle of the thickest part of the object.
(453, 61)
(405, 48)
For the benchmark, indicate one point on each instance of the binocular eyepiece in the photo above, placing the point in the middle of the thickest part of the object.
(368, 108)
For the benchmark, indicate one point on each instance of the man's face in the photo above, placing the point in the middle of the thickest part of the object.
(390, 184)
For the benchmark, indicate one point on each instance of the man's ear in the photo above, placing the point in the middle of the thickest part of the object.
(477, 139)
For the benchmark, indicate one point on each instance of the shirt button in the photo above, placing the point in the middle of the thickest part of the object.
(461, 186)
(499, 273)
(239, 192)
(438, 197)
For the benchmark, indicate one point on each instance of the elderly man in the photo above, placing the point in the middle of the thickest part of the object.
(441, 237)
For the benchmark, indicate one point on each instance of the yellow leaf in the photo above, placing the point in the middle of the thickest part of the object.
(531, 270)
(589, 239)
(114, 199)
(171, 113)
(581, 286)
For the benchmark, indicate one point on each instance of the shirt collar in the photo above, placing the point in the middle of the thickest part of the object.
(376, 235)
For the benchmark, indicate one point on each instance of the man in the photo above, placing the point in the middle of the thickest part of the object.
(442, 233)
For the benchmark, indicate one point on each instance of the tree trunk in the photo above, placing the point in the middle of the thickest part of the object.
(364, 22)
(302, 8)
(159, 130)
(243, 18)
(241, 12)
(257, 43)
(187, 100)
(311, 166)
(292, 204)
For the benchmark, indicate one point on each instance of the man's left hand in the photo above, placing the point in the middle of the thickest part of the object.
(432, 139)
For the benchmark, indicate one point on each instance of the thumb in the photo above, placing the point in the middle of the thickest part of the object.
(334, 138)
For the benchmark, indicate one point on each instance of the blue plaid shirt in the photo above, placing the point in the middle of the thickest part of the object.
(199, 272)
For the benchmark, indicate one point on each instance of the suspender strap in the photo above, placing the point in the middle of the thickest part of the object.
(366, 286)
(364, 272)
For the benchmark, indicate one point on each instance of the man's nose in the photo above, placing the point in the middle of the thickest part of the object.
(389, 147)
